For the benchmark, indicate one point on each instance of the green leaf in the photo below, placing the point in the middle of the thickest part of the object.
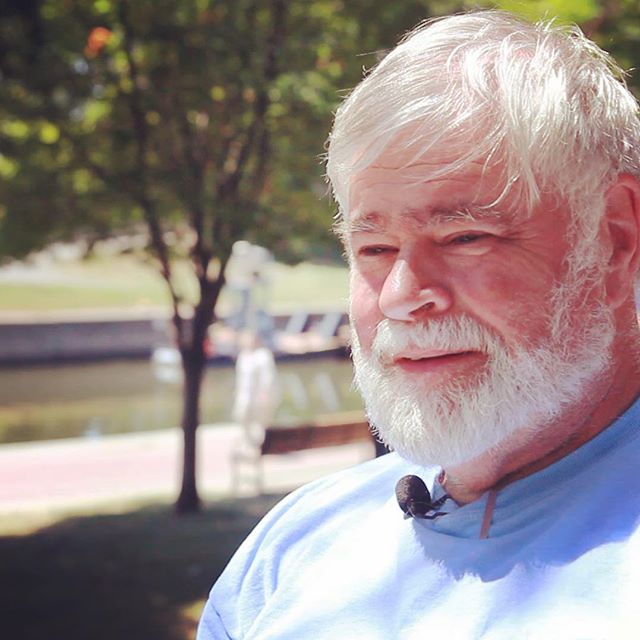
(49, 133)
(566, 11)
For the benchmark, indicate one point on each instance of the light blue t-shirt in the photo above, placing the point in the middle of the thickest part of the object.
(336, 559)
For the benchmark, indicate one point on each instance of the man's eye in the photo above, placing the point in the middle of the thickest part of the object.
(468, 238)
(375, 250)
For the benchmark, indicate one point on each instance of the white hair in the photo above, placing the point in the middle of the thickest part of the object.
(542, 103)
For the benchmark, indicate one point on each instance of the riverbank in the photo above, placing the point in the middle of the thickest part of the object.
(74, 474)
(56, 307)
(92, 337)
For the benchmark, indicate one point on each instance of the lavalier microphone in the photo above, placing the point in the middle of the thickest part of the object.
(415, 500)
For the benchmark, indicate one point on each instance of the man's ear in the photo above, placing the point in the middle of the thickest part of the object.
(621, 224)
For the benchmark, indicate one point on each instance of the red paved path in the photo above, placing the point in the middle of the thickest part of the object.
(70, 472)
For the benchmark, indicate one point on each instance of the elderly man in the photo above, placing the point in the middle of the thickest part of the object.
(486, 173)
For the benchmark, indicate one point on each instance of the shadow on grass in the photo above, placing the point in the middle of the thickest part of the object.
(131, 575)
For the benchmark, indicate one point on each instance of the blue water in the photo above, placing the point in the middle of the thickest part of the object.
(90, 400)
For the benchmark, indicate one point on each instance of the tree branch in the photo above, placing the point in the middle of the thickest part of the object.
(141, 131)
(228, 186)
(194, 187)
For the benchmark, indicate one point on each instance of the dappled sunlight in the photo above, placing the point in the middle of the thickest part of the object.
(187, 623)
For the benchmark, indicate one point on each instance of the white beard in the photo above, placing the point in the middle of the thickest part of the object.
(519, 389)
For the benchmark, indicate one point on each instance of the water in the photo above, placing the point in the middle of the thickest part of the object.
(90, 400)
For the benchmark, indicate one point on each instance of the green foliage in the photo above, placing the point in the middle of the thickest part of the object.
(567, 11)
(617, 30)
(109, 105)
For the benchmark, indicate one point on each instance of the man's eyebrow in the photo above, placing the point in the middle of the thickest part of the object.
(372, 222)
(467, 213)
(375, 222)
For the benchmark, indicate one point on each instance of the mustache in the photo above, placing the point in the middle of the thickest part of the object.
(461, 333)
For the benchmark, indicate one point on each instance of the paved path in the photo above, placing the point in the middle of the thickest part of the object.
(49, 475)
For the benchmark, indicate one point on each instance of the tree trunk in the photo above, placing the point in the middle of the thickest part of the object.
(193, 366)
(194, 359)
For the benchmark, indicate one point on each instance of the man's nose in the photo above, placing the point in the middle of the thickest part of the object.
(409, 293)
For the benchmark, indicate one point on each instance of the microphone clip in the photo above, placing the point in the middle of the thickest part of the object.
(415, 500)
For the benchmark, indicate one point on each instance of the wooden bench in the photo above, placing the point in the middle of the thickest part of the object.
(326, 431)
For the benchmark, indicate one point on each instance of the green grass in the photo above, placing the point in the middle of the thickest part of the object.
(136, 572)
(41, 297)
(311, 284)
(122, 281)
(126, 282)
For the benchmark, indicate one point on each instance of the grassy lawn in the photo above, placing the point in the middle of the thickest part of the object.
(125, 282)
(138, 572)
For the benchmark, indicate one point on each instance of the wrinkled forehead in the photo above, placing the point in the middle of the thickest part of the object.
(395, 183)
(417, 154)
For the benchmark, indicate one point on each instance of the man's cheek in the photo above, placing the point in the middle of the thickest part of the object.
(365, 328)
(364, 312)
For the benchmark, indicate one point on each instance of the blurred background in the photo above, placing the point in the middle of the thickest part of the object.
(162, 198)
